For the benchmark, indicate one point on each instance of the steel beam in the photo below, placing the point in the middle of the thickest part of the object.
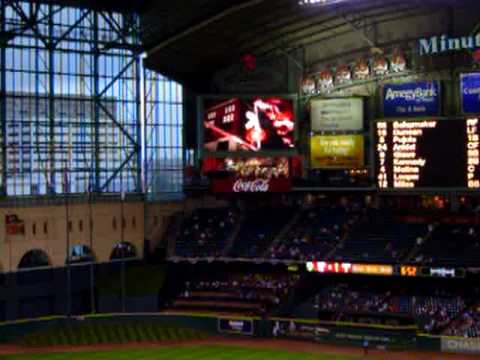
(51, 100)
(3, 104)
(118, 170)
(96, 88)
(232, 10)
(138, 69)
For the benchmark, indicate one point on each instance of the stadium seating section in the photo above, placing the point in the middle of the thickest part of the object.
(331, 231)
(239, 293)
(325, 232)
(205, 232)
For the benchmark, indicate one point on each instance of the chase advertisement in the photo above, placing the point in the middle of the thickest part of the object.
(470, 93)
(420, 98)
(251, 125)
(459, 345)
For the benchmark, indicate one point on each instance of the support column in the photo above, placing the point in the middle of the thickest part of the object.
(3, 100)
(138, 77)
(51, 100)
(96, 112)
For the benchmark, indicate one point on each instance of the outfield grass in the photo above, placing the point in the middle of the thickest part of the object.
(199, 352)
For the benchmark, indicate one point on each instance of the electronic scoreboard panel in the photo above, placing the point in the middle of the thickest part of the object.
(438, 153)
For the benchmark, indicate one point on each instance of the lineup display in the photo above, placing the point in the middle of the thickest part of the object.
(439, 153)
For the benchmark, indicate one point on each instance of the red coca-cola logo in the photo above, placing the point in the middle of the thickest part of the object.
(259, 185)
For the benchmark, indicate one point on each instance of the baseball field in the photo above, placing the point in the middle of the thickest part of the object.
(200, 352)
(217, 348)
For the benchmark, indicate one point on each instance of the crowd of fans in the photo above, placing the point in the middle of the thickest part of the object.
(205, 232)
(467, 324)
(316, 232)
(267, 290)
(250, 287)
(341, 231)
(341, 298)
(436, 312)
(439, 313)
(348, 228)
(448, 244)
(259, 229)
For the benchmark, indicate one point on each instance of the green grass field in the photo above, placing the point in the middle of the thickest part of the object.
(199, 352)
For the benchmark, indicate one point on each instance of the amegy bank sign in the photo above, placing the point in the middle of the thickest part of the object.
(444, 43)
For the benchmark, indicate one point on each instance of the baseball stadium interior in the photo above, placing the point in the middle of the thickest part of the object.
(264, 169)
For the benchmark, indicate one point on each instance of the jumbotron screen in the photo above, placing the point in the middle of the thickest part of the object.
(249, 124)
(441, 153)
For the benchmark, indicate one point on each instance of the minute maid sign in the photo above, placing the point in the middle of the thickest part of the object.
(444, 43)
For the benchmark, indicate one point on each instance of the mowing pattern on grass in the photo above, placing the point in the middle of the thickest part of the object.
(109, 333)
(199, 352)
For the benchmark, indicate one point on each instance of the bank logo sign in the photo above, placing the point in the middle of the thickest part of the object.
(420, 98)
(443, 43)
(470, 93)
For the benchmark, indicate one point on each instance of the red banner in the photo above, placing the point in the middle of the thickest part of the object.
(13, 225)
(240, 185)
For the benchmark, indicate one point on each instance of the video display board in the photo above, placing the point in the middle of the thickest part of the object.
(332, 267)
(252, 124)
(437, 153)
(338, 114)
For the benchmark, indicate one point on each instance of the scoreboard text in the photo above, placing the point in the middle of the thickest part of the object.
(428, 154)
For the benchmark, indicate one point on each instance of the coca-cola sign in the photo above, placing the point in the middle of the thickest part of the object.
(242, 185)
(258, 185)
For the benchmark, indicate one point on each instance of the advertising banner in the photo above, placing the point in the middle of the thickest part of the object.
(460, 345)
(337, 151)
(298, 330)
(470, 93)
(420, 98)
(235, 326)
(262, 185)
(254, 167)
(248, 175)
(337, 114)
(14, 225)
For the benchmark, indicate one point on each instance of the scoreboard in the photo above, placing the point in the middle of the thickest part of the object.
(438, 153)
(330, 267)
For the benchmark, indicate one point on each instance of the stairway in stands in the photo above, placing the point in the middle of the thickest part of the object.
(379, 238)
(260, 228)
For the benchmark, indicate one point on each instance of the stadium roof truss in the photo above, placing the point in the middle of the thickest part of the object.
(71, 84)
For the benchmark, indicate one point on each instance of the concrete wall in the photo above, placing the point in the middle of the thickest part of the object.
(45, 229)
(157, 217)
